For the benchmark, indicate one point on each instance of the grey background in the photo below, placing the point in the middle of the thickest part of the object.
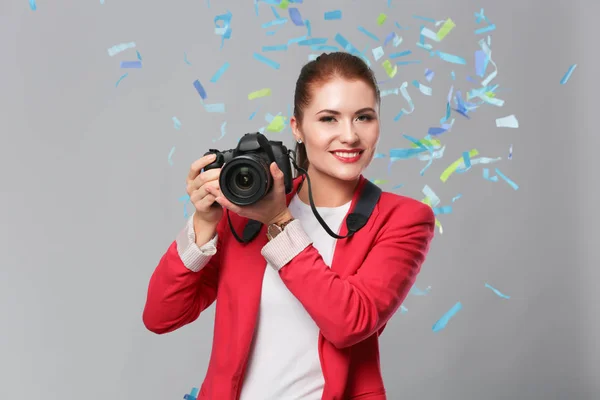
(90, 202)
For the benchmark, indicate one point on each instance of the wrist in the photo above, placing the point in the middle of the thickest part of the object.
(281, 218)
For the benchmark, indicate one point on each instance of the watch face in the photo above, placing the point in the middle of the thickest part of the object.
(273, 230)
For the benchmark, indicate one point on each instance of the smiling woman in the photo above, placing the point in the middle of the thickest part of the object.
(299, 312)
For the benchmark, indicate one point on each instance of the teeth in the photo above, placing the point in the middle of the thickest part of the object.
(345, 155)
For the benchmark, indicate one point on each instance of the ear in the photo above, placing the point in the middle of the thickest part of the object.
(295, 128)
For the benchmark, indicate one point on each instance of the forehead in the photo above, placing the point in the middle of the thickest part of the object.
(342, 95)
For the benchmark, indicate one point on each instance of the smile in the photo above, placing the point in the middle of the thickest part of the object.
(346, 157)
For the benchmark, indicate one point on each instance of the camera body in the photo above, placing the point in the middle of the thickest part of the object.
(245, 176)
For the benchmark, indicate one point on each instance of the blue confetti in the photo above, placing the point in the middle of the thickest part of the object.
(176, 123)
(566, 77)
(321, 47)
(278, 21)
(442, 210)
(185, 59)
(389, 38)
(369, 34)
(442, 322)
(121, 78)
(506, 179)
(280, 47)
(308, 28)
(139, 56)
(331, 15)
(497, 292)
(222, 132)
(269, 62)
(399, 63)
(424, 18)
(131, 64)
(223, 30)
(486, 176)
(458, 196)
(215, 108)
(200, 89)
(32, 5)
(295, 16)
(219, 72)
(275, 13)
(488, 28)
(451, 58)
(313, 41)
(418, 292)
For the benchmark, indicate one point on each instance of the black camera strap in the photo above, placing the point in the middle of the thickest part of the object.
(367, 200)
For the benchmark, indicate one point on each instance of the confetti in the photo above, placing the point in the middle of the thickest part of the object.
(456, 197)
(139, 56)
(277, 124)
(279, 47)
(185, 59)
(171, 155)
(121, 78)
(442, 322)
(510, 151)
(426, 90)
(176, 123)
(567, 75)
(224, 29)
(222, 132)
(434, 200)
(445, 29)
(192, 395)
(116, 49)
(200, 89)
(507, 122)
(424, 18)
(389, 69)
(332, 15)
(378, 53)
(381, 19)
(279, 21)
(259, 93)
(442, 210)
(497, 292)
(406, 96)
(313, 41)
(506, 179)
(429, 74)
(219, 73)
(267, 61)
(488, 28)
(131, 64)
(401, 54)
(295, 16)
(215, 108)
(451, 58)
(369, 34)
(418, 292)
(486, 176)
(452, 168)
(389, 38)
(284, 4)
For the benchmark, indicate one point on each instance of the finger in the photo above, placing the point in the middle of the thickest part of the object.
(199, 164)
(206, 203)
(227, 204)
(277, 175)
(212, 175)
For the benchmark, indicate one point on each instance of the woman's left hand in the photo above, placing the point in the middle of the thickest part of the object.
(270, 209)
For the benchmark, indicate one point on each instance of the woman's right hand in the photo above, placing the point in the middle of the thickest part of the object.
(203, 189)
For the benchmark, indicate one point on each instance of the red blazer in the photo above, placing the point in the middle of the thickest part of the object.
(370, 276)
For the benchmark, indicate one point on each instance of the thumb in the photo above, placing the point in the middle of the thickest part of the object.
(277, 174)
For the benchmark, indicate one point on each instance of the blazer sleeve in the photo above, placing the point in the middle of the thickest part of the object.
(352, 309)
(184, 283)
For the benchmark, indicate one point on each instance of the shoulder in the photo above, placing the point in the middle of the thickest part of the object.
(402, 211)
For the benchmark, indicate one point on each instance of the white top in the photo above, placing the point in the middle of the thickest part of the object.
(284, 360)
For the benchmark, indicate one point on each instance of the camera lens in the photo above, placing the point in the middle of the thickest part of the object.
(243, 179)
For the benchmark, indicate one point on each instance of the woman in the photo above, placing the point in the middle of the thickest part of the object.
(294, 318)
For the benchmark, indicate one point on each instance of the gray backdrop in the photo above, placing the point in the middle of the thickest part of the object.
(90, 201)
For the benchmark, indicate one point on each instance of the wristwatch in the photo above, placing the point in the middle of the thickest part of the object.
(275, 229)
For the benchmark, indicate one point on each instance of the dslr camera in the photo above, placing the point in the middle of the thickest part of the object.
(245, 176)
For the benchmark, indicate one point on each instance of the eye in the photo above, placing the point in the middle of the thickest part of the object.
(327, 119)
(364, 118)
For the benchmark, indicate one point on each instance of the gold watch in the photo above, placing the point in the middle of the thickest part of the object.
(275, 229)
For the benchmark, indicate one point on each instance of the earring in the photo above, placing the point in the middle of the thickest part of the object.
(299, 140)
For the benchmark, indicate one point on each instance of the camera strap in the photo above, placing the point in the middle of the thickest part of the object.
(365, 205)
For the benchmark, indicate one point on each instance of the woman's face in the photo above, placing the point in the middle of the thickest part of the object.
(342, 115)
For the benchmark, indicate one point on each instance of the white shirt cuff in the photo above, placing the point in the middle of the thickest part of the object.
(193, 257)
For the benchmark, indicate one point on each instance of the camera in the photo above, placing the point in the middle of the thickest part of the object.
(245, 176)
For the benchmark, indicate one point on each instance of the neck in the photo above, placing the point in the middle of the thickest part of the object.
(327, 191)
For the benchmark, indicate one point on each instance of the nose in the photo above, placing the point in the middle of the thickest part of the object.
(349, 133)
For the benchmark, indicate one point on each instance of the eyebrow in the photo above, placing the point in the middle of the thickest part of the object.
(362, 110)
